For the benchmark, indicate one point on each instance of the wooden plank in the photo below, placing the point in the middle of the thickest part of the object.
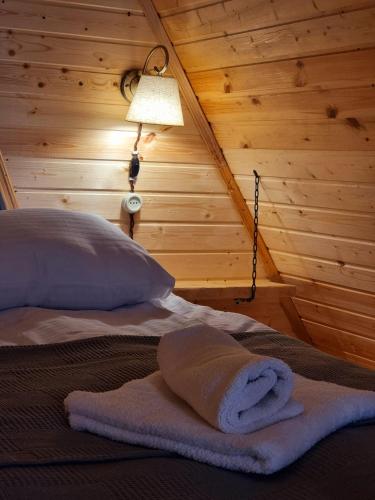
(205, 266)
(170, 7)
(358, 360)
(114, 5)
(71, 53)
(360, 278)
(310, 106)
(320, 194)
(344, 32)
(344, 298)
(291, 313)
(7, 196)
(352, 358)
(207, 134)
(338, 135)
(46, 173)
(190, 237)
(36, 112)
(267, 290)
(156, 207)
(59, 83)
(267, 312)
(323, 72)
(356, 323)
(331, 222)
(339, 340)
(352, 166)
(340, 250)
(234, 16)
(44, 18)
(101, 145)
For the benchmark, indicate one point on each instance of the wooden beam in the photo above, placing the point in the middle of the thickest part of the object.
(291, 313)
(7, 194)
(208, 135)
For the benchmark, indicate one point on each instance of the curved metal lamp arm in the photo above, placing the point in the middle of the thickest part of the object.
(130, 79)
(163, 69)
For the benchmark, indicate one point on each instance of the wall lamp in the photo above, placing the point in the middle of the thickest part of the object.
(154, 99)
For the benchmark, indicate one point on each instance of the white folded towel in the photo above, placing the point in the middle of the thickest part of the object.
(234, 390)
(146, 412)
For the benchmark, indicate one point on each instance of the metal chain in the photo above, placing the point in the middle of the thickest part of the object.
(255, 235)
(255, 243)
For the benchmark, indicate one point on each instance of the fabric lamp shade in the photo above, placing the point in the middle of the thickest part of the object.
(156, 101)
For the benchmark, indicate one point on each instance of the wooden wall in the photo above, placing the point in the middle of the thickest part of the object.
(288, 86)
(67, 145)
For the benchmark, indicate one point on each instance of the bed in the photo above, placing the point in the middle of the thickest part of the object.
(55, 339)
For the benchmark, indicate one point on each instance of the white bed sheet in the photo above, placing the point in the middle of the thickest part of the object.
(32, 325)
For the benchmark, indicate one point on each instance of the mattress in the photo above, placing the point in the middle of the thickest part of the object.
(33, 325)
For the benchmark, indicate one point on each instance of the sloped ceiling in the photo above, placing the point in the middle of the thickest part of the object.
(288, 87)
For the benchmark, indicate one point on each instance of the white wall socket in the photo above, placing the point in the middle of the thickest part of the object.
(132, 203)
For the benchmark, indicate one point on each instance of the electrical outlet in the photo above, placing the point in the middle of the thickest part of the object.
(132, 203)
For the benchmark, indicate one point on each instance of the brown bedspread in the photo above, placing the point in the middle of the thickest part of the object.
(42, 458)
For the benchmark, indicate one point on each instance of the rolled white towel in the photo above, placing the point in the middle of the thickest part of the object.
(232, 389)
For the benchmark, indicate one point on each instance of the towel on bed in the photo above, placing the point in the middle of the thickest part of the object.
(146, 412)
(234, 390)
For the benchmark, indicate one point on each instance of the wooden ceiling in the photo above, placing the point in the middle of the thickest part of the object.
(289, 88)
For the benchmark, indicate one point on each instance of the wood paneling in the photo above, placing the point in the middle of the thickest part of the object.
(349, 299)
(184, 237)
(213, 266)
(359, 324)
(338, 340)
(207, 135)
(41, 113)
(67, 144)
(268, 312)
(26, 16)
(359, 196)
(289, 90)
(47, 173)
(339, 135)
(7, 196)
(346, 275)
(353, 166)
(323, 72)
(322, 221)
(102, 145)
(75, 53)
(328, 105)
(157, 207)
(131, 6)
(344, 32)
(218, 19)
(326, 247)
(59, 83)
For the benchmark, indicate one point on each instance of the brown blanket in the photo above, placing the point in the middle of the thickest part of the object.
(42, 458)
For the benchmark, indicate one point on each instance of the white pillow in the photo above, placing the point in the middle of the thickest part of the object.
(70, 260)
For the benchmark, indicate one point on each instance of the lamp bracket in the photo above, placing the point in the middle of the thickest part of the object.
(129, 83)
(163, 69)
(130, 79)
